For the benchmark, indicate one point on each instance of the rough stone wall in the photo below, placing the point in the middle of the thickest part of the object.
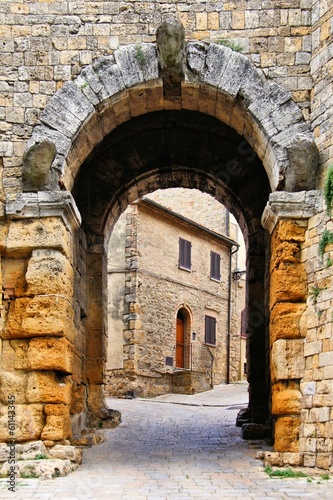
(321, 66)
(159, 288)
(40, 348)
(47, 43)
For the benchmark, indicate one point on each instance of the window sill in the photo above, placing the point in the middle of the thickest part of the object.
(185, 269)
(216, 280)
(209, 345)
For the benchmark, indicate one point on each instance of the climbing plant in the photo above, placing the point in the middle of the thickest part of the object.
(328, 189)
(325, 239)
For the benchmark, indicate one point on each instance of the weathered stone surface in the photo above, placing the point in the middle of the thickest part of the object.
(68, 110)
(196, 56)
(78, 398)
(45, 469)
(46, 387)
(55, 409)
(29, 422)
(29, 451)
(20, 347)
(286, 398)
(170, 38)
(215, 64)
(283, 205)
(137, 63)
(24, 236)
(285, 321)
(280, 459)
(66, 453)
(51, 354)
(288, 284)
(291, 231)
(234, 73)
(304, 162)
(57, 427)
(285, 252)
(109, 79)
(37, 163)
(286, 434)
(49, 272)
(287, 360)
(39, 316)
(13, 383)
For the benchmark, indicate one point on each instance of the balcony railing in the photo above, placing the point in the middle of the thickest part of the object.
(196, 358)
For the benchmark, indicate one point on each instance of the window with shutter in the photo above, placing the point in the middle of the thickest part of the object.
(215, 266)
(184, 254)
(210, 330)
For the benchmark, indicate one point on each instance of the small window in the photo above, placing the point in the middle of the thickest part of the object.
(210, 330)
(184, 254)
(215, 266)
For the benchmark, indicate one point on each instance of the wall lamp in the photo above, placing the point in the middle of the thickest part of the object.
(237, 274)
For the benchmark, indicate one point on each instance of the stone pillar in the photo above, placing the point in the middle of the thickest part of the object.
(38, 328)
(286, 217)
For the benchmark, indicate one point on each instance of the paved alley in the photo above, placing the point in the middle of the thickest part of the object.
(174, 447)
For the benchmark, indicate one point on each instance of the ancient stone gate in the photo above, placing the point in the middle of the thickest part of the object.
(125, 127)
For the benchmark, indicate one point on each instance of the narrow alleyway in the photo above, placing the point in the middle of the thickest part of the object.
(174, 447)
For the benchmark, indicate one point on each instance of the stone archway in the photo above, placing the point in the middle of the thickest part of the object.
(248, 140)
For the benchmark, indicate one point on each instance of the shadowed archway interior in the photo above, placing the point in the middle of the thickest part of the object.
(191, 150)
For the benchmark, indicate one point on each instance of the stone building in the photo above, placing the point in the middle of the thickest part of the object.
(179, 330)
(99, 108)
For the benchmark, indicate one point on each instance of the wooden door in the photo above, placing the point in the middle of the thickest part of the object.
(180, 343)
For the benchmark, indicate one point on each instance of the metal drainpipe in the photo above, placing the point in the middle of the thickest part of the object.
(229, 311)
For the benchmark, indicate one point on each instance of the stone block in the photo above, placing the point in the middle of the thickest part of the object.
(94, 370)
(29, 422)
(46, 387)
(20, 347)
(49, 271)
(55, 409)
(37, 163)
(324, 460)
(57, 427)
(95, 397)
(39, 316)
(13, 383)
(27, 235)
(289, 230)
(286, 397)
(78, 399)
(286, 434)
(137, 63)
(29, 451)
(285, 320)
(288, 284)
(51, 354)
(66, 453)
(287, 360)
(44, 469)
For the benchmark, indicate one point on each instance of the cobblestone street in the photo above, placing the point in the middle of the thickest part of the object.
(174, 447)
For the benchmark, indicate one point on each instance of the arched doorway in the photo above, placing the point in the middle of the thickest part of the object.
(119, 136)
(180, 341)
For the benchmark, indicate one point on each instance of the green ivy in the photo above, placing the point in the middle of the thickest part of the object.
(314, 293)
(328, 189)
(325, 239)
(140, 56)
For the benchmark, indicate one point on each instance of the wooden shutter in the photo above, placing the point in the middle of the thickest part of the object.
(210, 330)
(184, 253)
(215, 266)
